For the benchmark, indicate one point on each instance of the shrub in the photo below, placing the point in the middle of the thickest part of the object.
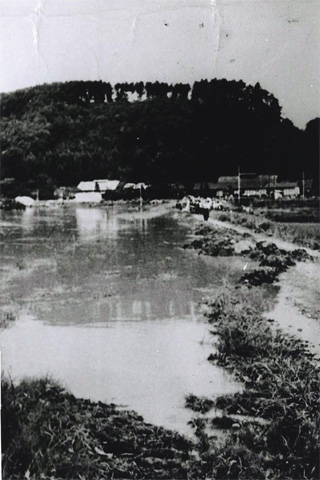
(224, 217)
(264, 226)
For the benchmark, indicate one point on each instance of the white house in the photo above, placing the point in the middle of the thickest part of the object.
(98, 185)
(286, 189)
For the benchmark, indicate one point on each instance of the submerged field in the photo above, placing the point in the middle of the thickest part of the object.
(270, 426)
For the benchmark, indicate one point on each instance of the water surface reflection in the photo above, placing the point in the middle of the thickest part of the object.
(108, 304)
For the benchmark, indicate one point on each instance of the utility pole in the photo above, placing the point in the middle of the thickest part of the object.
(260, 178)
(303, 186)
(239, 181)
(239, 184)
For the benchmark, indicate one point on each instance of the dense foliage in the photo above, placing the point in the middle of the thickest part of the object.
(151, 132)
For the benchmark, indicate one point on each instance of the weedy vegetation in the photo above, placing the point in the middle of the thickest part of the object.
(272, 424)
(49, 434)
(199, 404)
(7, 317)
(281, 386)
(305, 234)
(299, 225)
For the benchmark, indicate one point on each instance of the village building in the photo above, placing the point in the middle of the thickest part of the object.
(286, 189)
(98, 185)
(92, 191)
(250, 186)
(96, 190)
(262, 186)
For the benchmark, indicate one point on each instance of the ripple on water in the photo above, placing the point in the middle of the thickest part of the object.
(114, 320)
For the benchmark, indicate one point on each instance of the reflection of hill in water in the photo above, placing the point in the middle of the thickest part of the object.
(114, 309)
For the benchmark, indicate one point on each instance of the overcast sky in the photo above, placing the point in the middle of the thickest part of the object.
(272, 42)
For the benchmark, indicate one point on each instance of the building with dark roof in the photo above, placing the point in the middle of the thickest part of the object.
(250, 186)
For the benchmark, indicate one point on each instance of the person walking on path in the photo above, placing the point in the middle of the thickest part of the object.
(205, 206)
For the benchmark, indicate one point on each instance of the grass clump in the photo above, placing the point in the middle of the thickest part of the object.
(305, 234)
(264, 226)
(224, 217)
(49, 434)
(212, 241)
(7, 318)
(273, 261)
(281, 383)
(199, 404)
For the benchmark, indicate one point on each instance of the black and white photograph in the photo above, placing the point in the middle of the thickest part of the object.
(160, 239)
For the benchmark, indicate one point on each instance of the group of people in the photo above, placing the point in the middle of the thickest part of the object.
(199, 205)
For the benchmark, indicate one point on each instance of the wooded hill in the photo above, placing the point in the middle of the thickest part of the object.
(151, 132)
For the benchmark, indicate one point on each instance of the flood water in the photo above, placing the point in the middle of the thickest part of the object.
(297, 310)
(107, 303)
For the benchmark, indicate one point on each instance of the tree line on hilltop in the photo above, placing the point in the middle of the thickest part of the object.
(152, 132)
